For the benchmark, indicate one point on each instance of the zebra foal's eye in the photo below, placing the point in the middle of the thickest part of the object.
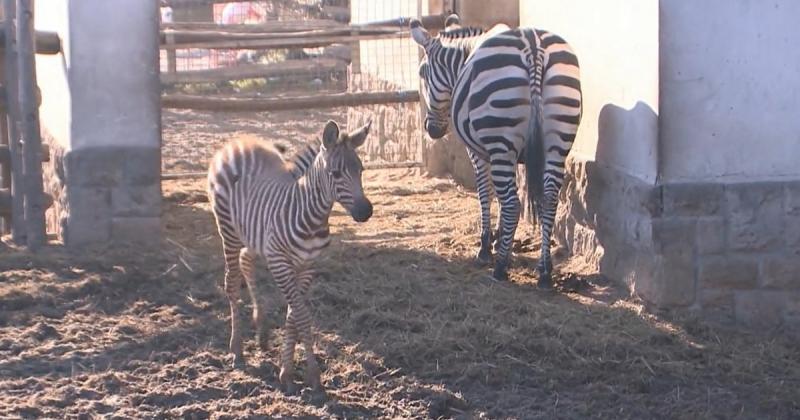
(336, 173)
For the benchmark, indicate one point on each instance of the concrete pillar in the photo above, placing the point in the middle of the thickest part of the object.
(683, 181)
(101, 116)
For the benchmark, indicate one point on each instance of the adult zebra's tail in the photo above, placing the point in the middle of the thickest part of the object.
(534, 142)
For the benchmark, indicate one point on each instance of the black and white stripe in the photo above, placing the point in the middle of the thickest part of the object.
(513, 96)
(279, 209)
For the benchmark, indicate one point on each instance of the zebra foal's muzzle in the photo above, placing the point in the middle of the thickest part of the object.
(362, 210)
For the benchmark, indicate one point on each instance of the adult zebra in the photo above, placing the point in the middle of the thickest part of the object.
(266, 206)
(513, 95)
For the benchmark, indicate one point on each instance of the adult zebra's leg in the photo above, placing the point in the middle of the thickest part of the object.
(246, 263)
(547, 214)
(485, 189)
(503, 172)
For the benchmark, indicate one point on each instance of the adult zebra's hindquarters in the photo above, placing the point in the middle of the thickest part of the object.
(266, 206)
(512, 96)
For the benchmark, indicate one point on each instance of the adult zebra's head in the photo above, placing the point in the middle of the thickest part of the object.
(444, 56)
(343, 168)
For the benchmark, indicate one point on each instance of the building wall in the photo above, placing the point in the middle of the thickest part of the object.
(682, 182)
(101, 116)
(730, 183)
(730, 90)
(619, 128)
(52, 73)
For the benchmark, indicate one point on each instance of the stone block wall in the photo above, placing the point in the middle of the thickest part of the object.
(102, 194)
(730, 251)
(741, 241)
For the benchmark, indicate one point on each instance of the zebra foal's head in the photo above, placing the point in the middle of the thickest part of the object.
(343, 168)
(438, 70)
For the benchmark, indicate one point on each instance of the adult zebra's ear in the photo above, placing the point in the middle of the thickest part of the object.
(357, 138)
(420, 35)
(330, 134)
(452, 20)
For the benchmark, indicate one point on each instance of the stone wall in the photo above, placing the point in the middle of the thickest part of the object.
(742, 241)
(103, 194)
(728, 251)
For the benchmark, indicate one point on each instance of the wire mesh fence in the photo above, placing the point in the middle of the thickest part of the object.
(354, 56)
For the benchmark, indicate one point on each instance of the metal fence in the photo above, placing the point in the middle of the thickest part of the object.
(295, 54)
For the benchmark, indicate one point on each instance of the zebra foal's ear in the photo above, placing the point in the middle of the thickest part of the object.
(330, 134)
(420, 35)
(357, 137)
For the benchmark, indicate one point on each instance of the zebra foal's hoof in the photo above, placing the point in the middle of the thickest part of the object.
(238, 362)
(316, 397)
(286, 378)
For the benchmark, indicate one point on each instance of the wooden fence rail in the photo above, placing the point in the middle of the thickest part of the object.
(46, 42)
(178, 101)
(312, 67)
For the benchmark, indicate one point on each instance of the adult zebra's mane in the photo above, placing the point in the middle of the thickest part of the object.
(458, 37)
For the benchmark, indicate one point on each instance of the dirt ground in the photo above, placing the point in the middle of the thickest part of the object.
(406, 325)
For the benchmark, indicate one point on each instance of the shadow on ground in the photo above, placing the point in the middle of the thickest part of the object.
(406, 329)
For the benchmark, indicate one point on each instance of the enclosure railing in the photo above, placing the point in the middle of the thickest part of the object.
(22, 198)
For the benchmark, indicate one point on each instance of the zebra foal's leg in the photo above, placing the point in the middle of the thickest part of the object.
(295, 286)
(312, 376)
(483, 182)
(246, 263)
(504, 179)
(283, 273)
(233, 286)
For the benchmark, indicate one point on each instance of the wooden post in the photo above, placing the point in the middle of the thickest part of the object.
(172, 56)
(29, 111)
(5, 164)
(10, 81)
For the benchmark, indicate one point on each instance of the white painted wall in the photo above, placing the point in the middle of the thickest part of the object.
(103, 90)
(617, 48)
(730, 90)
(52, 72)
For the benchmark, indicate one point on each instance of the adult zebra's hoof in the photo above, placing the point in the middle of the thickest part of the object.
(500, 271)
(484, 258)
(262, 337)
(545, 282)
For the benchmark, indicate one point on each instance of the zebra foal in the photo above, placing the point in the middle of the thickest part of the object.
(266, 206)
(512, 96)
